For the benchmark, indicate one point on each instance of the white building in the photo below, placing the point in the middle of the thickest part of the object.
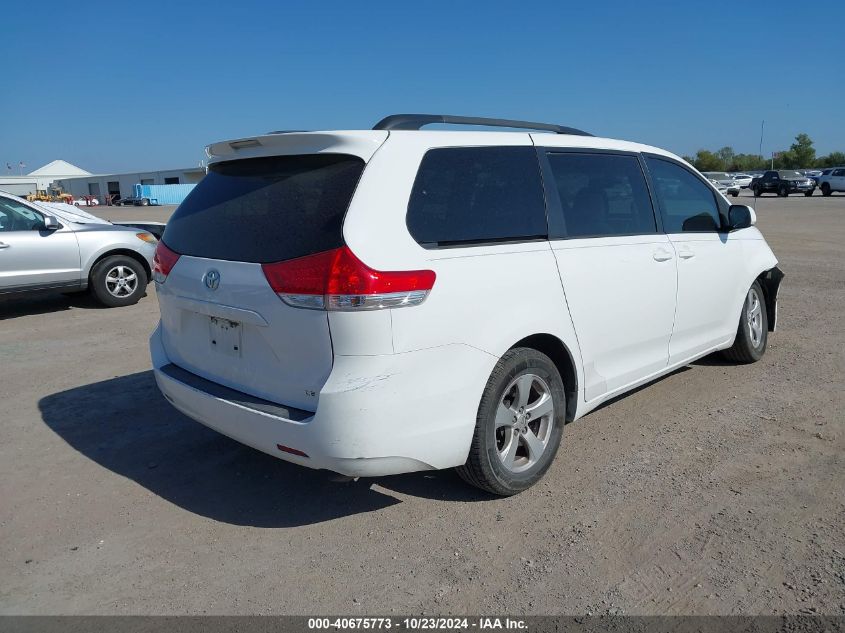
(122, 185)
(40, 179)
(61, 176)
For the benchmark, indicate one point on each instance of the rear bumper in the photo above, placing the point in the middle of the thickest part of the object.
(377, 415)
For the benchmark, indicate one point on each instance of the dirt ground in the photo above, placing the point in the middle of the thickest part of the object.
(718, 489)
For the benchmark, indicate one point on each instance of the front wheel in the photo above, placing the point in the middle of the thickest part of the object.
(145, 203)
(757, 191)
(519, 424)
(783, 192)
(118, 281)
(753, 330)
(809, 193)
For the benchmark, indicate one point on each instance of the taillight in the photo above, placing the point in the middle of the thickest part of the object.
(338, 280)
(163, 260)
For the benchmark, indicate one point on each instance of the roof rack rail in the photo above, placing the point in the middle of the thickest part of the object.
(416, 121)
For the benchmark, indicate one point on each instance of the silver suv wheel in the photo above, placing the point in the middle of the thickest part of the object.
(121, 281)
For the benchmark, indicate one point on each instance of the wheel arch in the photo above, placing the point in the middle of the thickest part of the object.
(125, 252)
(562, 357)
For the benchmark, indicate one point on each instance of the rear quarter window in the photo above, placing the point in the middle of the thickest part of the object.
(266, 209)
(477, 195)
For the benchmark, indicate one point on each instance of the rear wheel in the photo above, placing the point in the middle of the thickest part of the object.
(809, 193)
(826, 189)
(117, 281)
(519, 424)
(753, 330)
(783, 192)
(757, 191)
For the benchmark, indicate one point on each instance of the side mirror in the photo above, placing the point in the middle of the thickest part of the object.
(50, 223)
(741, 216)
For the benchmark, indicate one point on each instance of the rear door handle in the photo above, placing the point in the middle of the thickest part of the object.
(686, 253)
(661, 255)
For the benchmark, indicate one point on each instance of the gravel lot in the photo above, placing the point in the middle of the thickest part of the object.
(718, 489)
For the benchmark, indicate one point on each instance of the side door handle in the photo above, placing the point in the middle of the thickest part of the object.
(2, 245)
(661, 255)
(686, 253)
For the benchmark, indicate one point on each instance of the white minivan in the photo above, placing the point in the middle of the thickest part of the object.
(393, 300)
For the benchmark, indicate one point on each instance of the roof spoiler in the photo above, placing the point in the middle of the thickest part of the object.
(417, 121)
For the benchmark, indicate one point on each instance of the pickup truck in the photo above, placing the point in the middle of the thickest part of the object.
(783, 183)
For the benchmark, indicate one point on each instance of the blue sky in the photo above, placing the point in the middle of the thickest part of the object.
(113, 86)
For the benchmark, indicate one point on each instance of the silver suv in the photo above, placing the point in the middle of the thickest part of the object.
(47, 247)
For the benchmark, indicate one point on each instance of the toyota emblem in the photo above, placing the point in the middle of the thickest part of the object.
(212, 279)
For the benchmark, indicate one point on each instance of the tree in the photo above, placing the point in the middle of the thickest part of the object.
(747, 162)
(802, 153)
(834, 159)
(707, 161)
(786, 160)
(726, 155)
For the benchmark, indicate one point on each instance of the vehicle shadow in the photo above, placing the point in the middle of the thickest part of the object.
(45, 302)
(714, 360)
(12, 307)
(125, 424)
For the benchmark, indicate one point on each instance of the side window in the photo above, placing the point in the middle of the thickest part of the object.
(477, 194)
(602, 194)
(839, 172)
(686, 203)
(18, 217)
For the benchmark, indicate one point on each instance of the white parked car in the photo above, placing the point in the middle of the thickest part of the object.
(393, 300)
(723, 181)
(832, 180)
(730, 188)
(743, 180)
(86, 202)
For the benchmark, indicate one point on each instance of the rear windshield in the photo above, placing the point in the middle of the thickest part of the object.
(266, 209)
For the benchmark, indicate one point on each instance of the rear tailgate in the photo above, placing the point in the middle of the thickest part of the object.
(220, 318)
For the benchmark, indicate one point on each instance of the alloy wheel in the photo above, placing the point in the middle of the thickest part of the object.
(524, 421)
(754, 318)
(121, 281)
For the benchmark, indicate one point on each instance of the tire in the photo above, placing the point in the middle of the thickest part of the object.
(734, 194)
(104, 282)
(809, 193)
(826, 189)
(783, 192)
(757, 191)
(526, 376)
(752, 334)
(145, 203)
